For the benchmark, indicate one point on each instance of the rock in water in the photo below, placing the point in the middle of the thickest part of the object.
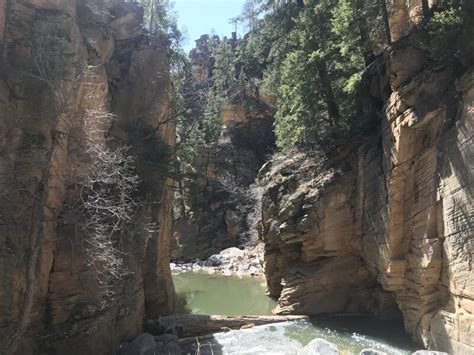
(214, 260)
(372, 352)
(319, 347)
(172, 348)
(147, 344)
(141, 345)
(166, 338)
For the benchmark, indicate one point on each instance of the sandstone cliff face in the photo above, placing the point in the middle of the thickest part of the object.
(219, 199)
(387, 224)
(66, 66)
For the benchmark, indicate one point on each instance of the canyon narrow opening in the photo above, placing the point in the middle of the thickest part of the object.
(236, 177)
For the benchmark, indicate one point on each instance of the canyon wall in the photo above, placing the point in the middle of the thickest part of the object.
(385, 226)
(81, 85)
(218, 198)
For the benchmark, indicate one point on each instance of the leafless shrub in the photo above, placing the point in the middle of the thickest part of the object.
(108, 200)
(50, 52)
(107, 204)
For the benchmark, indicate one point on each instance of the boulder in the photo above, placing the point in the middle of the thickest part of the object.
(172, 348)
(93, 13)
(255, 262)
(144, 344)
(214, 260)
(100, 43)
(372, 352)
(66, 7)
(404, 64)
(232, 253)
(166, 338)
(319, 347)
(155, 351)
(128, 21)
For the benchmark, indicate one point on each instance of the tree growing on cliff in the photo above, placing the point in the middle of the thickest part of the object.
(105, 206)
(224, 73)
(386, 23)
(107, 203)
(159, 17)
(48, 69)
(201, 101)
(105, 196)
(312, 105)
(311, 55)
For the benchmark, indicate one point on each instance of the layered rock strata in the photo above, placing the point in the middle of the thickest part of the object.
(79, 78)
(388, 223)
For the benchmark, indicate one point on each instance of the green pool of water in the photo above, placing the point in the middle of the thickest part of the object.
(201, 293)
(215, 294)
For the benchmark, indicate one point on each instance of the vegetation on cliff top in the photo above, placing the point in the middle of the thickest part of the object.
(310, 55)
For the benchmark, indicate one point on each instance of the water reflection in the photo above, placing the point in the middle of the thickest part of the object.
(215, 294)
(202, 293)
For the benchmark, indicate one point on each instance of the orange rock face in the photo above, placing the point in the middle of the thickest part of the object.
(385, 228)
(61, 62)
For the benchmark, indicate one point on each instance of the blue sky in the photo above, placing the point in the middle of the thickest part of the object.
(201, 16)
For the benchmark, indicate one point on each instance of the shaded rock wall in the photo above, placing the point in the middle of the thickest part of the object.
(219, 199)
(387, 224)
(62, 60)
(216, 199)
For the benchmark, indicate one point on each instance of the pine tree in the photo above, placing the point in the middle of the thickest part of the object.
(160, 18)
(224, 73)
(426, 10)
(383, 9)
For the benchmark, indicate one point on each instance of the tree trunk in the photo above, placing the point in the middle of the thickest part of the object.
(383, 8)
(363, 32)
(300, 4)
(181, 204)
(332, 107)
(152, 18)
(191, 325)
(426, 10)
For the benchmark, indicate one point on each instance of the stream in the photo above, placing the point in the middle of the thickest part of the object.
(202, 293)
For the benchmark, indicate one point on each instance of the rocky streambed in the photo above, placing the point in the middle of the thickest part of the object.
(229, 262)
(231, 284)
(207, 294)
(326, 336)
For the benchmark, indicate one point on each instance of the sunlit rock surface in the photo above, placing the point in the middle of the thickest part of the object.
(387, 223)
(61, 61)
